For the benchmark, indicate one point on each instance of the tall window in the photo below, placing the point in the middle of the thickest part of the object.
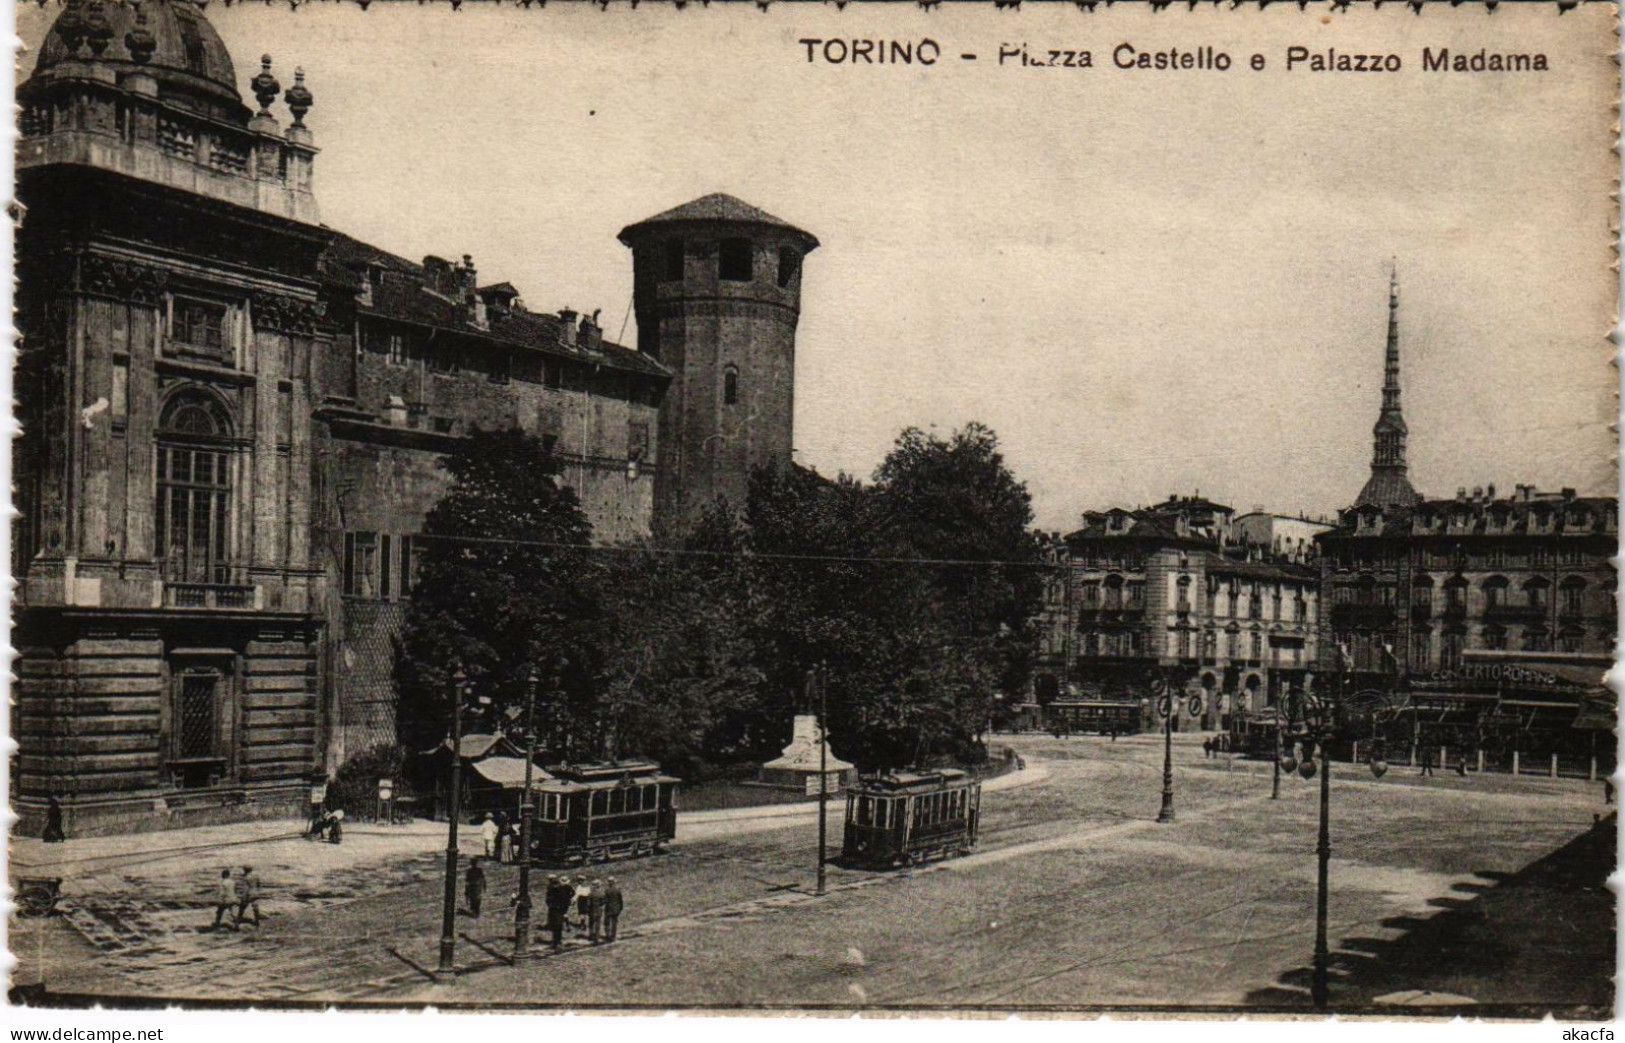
(1421, 649)
(671, 268)
(1573, 596)
(396, 345)
(1455, 594)
(734, 260)
(1495, 592)
(730, 386)
(1450, 651)
(789, 265)
(361, 565)
(1535, 590)
(1537, 639)
(1184, 643)
(1258, 645)
(1232, 644)
(1495, 638)
(191, 530)
(1572, 639)
(200, 327)
(406, 577)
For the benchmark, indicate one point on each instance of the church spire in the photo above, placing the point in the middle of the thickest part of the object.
(1389, 486)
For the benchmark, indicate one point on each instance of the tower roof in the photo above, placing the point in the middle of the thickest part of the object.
(716, 208)
(188, 57)
(1389, 484)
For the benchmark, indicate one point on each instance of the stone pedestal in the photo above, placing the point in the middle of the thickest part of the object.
(798, 768)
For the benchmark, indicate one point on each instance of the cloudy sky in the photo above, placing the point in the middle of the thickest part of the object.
(1143, 281)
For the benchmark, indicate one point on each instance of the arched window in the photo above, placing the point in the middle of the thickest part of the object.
(1422, 592)
(1495, 592)
(1455, 593)
(1114, 592)
(191, 532)
(1537, 591)
(730, 386)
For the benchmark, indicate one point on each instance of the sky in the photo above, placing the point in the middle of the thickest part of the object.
(1145, 282)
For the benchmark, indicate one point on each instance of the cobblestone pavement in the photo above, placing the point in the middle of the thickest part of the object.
(1074, 897)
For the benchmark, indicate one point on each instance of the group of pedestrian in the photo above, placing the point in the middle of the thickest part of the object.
(326, 825)
(597, 904)
(237, 896)
(1216, 745)
(500, 835)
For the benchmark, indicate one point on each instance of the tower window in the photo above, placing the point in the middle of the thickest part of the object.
(672, 271)
(734, 260)
(730, 386)
(789, 266)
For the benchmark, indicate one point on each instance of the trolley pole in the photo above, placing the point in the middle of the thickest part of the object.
(1275, 781)
(1167, 812)
(521, 933)
(1323, 849)
(448, 911)
(823, 770)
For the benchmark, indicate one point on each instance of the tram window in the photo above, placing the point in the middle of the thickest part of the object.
(617, 802)
(600, 802)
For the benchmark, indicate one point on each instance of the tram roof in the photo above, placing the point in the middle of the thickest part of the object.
(557, 785)
(900, 781)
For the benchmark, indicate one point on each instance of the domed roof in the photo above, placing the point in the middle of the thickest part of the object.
(188, 57)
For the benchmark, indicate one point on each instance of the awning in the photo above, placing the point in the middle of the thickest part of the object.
(509, 772)
(1599, 710)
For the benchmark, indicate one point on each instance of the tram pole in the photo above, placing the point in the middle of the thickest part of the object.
(448, 909)
(1167, 812)
(819, 673)
(521, 933)
(1275, 781)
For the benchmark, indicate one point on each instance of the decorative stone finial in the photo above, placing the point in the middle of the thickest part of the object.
(70, 26)
(98, 30)
(265, 86)
(139, 41)
(299, 98)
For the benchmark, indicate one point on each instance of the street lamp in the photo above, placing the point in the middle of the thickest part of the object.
(521, 933)
(1170, 706)
(448, 910)
(821, 678)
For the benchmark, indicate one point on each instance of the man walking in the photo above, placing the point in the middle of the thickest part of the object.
(1427, 759)
(613, 903)
(474, 886)
(225, 900)
(248, 895)
(559, 895)
(488, 833)
(583, 896)
(595, 910)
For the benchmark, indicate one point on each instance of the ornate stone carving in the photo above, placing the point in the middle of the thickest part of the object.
(121, 280)
(273, 311)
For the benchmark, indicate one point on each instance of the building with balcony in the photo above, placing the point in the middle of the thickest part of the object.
(233, 416)
(1415, 590)
(1172, 590)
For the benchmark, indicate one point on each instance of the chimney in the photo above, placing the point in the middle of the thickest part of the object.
(592, 335)
(441, 278)
(567, 328)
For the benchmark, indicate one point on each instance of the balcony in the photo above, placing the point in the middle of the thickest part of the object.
(1366, 615)
(1516, 613)
(1114, 614)
(226, 596)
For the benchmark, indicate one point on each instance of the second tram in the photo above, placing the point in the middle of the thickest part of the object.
(908, 817)
(595, 812)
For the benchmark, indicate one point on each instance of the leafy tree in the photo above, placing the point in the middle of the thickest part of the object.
(505, 584)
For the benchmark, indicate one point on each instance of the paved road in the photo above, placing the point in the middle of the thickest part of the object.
(1076, 897)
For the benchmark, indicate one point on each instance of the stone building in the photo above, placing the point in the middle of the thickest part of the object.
(1416, 589)
(1172, 590)
(232, 417)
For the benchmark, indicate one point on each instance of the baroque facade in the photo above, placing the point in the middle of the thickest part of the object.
(232, 418)
(1177, 590)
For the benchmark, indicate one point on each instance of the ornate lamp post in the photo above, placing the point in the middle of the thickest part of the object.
(821, 678)
(527, 809)
(448, 911)
(1169, 706)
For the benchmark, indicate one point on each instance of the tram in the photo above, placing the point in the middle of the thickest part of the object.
(595, 812)
(909, 817)
(1102, 716)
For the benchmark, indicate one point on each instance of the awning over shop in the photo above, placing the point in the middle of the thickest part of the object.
(1599, 710)
(509, 772)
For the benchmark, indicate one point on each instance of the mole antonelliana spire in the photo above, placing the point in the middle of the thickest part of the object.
(1389, 485)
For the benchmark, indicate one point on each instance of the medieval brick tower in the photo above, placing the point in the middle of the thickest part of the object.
(717, 287)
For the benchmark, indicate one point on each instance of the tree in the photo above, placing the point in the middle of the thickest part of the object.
(505, 584)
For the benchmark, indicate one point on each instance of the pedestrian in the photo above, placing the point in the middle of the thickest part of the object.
(613, 904)
(225, 900)
(474, 886)
(248, 895)
(583, 896)
(1607, 791)
(504, 839)
(488, 833)
(1207, 749)
(558, 897)
(1426, 754)
(53, 822)
(335, 827)
(1113, 733)
(595, 910)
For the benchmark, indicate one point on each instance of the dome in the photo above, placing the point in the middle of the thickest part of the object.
(188, 57)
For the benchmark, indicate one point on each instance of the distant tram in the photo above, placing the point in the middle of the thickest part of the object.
(595, 812)
(1101, 716)
(909, 817)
